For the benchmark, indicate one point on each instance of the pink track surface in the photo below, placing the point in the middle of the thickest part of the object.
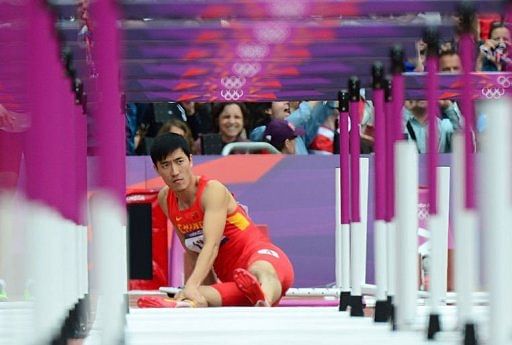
(308, 302)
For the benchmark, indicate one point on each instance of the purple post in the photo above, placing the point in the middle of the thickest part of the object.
(67, 151)
(343, 99)
(380, 142)
(80, 143)
(46, 171)
(389, 148)
(431, 37)
(354, 112)
(467, 109)
(395, 122)
(109, 121)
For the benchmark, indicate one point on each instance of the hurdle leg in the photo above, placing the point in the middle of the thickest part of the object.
(406, 156)
(438, 225)
(495, 188)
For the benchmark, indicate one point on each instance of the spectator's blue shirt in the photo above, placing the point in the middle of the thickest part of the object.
(305, 117)
(447, 125)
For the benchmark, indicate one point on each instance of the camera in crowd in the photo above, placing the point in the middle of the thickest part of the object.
(498, 53)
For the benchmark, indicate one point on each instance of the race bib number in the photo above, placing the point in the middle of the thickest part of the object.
(194, 241)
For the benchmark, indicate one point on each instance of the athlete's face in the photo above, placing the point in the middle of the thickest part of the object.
(176, 170)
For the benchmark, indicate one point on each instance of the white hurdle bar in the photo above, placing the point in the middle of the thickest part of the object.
(406, 162)
(465, 224)
(495, 192)
(438, 226)
(342, 238)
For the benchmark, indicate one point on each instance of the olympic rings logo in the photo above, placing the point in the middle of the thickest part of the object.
(423, 211)
(291, 9)
(276, 34)
(231, 95)
(233, 82)
(246, 69)
(493, 93)
(252, 51)
(504, 81)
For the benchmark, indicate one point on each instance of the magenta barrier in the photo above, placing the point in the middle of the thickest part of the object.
(432, 140)
(344, 159)
(395, 134)
(107, 112)
(307, 302)
(47, 175)
(380, 155)
(468, 111)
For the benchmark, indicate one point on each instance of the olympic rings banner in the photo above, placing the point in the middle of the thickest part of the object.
(241, 88)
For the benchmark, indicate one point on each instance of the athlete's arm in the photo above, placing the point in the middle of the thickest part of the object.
(215, 201)
(191, 257)
(162, 200)
(190, 263)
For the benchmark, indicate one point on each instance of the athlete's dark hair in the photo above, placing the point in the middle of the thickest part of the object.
(168, 143)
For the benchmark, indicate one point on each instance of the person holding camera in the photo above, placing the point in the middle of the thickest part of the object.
(493, 55)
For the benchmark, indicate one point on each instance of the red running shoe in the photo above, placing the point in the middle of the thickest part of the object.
(163, 302)
(250, 286)
(156, 302)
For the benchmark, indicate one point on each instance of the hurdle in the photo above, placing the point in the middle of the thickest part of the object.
(44, 213)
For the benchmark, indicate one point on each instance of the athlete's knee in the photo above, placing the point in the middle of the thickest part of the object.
(263, 269)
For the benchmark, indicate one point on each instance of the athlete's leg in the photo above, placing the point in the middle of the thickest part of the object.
(260, 283)
(212, 296)
(269, 274)
(269, 280)
(220, 294)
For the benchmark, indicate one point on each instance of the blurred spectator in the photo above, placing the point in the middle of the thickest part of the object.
(131, 126)
(199, 117)
(310, 115)
(494, 54)
(415, 117)
(144, 120)
(229, 120)
(485, 22)
(421, 51)
(282, 135)
(415, 112)
(294, 105)
(449, 61)
(181, 128)
(367, 126)
(323, 142)
(229, 125)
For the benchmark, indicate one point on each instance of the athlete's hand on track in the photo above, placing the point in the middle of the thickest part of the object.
(192, 293)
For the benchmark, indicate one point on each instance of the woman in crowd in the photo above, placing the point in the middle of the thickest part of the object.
(494, 55)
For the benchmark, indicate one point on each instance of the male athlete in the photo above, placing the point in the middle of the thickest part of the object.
(217, 235)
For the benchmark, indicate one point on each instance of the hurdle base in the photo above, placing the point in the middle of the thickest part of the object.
(470, 334)
(344, 300)
(75, 326)
(356, 306)
(434, 326)
(126, 303)
(381, 311)
(392, 318)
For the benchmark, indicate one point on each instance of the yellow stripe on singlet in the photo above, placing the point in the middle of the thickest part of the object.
(239, 220)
